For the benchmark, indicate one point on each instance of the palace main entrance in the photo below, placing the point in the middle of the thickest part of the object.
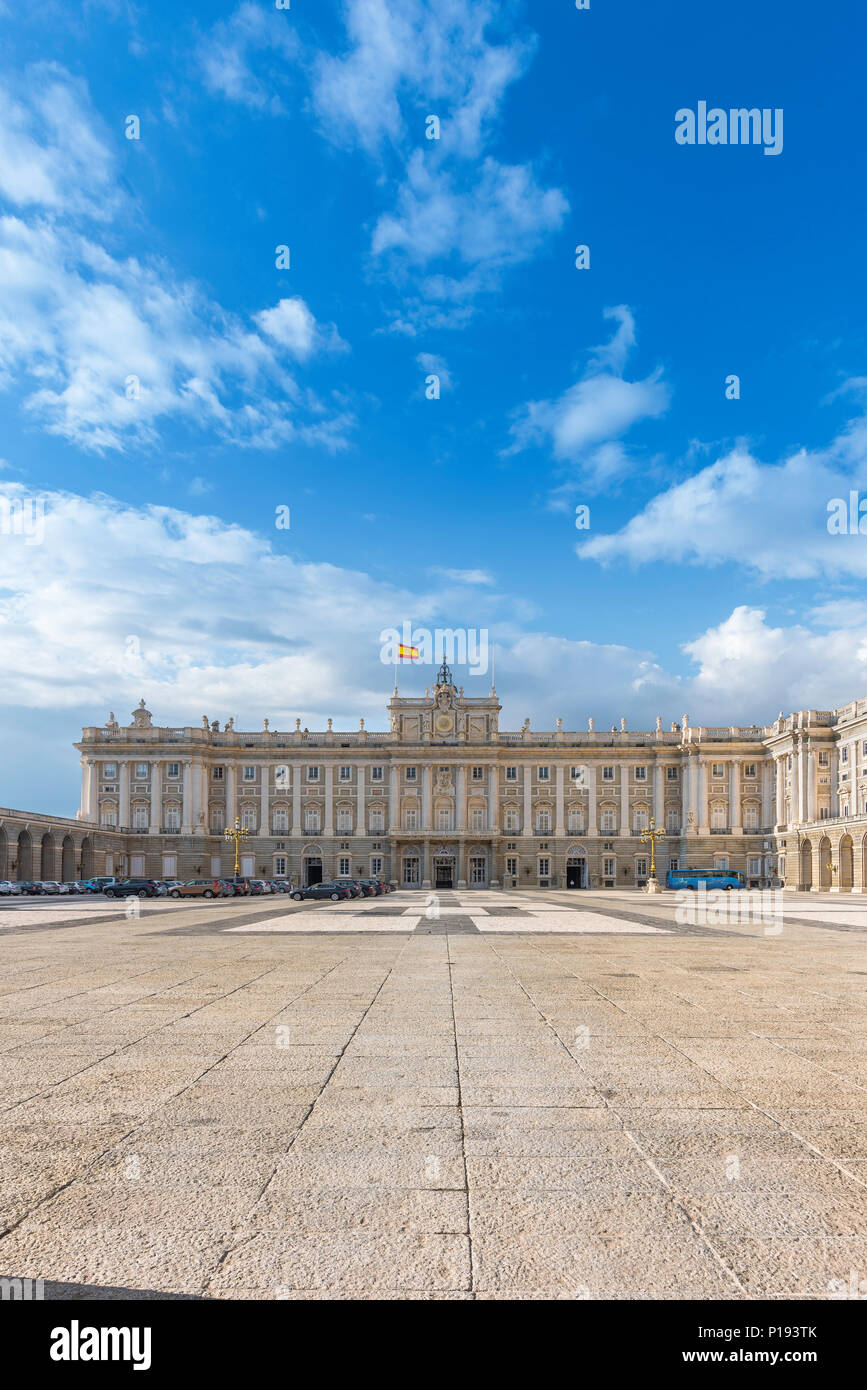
(444, 873)
(576, 872)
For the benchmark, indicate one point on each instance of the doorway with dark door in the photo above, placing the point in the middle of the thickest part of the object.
(444, 873)
(313, 872)
(576, 873)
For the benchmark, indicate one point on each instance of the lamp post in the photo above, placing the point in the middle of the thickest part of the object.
(237, 834)
(652, 835)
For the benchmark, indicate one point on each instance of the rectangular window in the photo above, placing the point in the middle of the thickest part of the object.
(608, 868)
(218, 819)
(173, 818)
(377, 822)
(218, 774)
(249, 774)
(280, 818)
(343, 869)
(511, 868)
(672, 822)
(248, 818)
(375, 866)
(544, 865)
(280, 866)
(313, 774)
(543, 773)
(673, 863)
(751, 818)
(410, 819)
(477, 818)
(511, 822)
(478, 774)
(410, 872)
(141, 769)
(344, 820)
(717, 770)
(749, 769)
(311, 821)
(641, 774)
(608, 820)
(346, 774)
(844, 756)
(671, 774)
(640, 819)
(824, 760)
(721, 861)
(608, 774)
(511, 774)
(410, 774)
(173, 770)
(576, 821)
(376, 774)
(641, 868)
(754, 868)
(543, 822)
(109, 771)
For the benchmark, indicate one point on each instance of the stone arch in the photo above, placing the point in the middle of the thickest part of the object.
(824, 863)
(806, 872)
(846, 871)
(24, 857)
(67, 859)
(48, 866)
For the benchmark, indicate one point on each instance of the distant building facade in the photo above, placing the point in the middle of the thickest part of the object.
(448, 799)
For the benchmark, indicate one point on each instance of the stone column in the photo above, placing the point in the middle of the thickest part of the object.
(767, 794)
(393, 801)
(461, 800)
(360, 817)
(780, 773)
(462, 849)
(625, 827)
(686, 794)
(89, 790)
(812, 789)
(231, 794)
(559, 826)
(329, 799)
(735, 796)
(297, 827)
(264, 818)
(425, 881)
(187, 806)
(528, 799)
(156, 816)
(834, 776)
(701, 813)
(801, 802)
(426, 798)
(658, 795)
(195, 794)
(591, 799)
(493, 801)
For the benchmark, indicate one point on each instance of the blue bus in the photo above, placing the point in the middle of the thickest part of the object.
(707, 878)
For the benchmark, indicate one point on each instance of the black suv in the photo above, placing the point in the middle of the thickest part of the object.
(132, 888)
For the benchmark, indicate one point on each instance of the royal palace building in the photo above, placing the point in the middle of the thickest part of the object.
(447, 798)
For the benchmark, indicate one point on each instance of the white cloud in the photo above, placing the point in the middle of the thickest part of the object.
(108, 347)
(207, 643)
(771, 518)
(49, 156)
(467, 576)
(430, 364)
(226, 56)
(584, 427)
(291, 324)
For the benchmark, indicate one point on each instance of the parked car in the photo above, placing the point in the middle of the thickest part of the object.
(99, 884)
(198, 888)
(238, 887)
(75, 887)
(31, 888)
(335, 891)
(9, 889)
(132, 888)
(372, 887)
(356, 889)
(257, 887)
(281, 885)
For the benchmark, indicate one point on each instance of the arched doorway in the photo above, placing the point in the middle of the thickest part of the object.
(825, 863)
(806, 865)
(48, 869)
(311, 865)
(576, 867)
(478, 866)
(847, 864)
(67, 859)
(443, 866)
(87, 857)
(24, 857)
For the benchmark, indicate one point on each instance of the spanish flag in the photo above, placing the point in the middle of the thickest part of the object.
(406, 653)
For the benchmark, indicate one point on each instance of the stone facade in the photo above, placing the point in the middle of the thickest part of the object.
(445, 798)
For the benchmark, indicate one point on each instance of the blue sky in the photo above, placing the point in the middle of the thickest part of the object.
(707, 581)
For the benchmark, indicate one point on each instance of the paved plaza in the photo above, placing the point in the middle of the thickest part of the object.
(479, 1096)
